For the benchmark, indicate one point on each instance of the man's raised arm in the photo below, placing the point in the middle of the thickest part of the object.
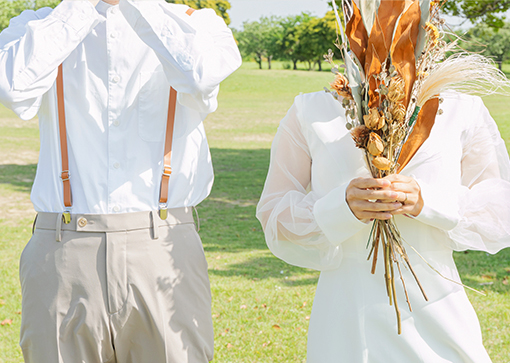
(196, 48)
(33, 46)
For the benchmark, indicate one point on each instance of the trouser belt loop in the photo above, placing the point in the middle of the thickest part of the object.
(33, 225)
(58, 228)
(155, 225)
(197, 223)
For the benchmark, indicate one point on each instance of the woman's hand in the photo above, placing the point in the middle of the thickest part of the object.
(371, 198)
(409, 193)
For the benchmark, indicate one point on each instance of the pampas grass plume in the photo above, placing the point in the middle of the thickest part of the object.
(463, 72)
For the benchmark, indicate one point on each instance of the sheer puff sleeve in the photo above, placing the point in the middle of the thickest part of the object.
(483, 219)
(296, 221)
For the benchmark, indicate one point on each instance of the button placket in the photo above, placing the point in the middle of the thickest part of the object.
(115, 88)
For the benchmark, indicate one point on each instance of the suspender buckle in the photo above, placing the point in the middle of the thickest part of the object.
(167, 171)
(66, 217)
(65, 176)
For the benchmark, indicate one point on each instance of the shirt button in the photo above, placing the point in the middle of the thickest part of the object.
(114, 11)
(115, 79)
(116, 208)
(116, 165)
(113, 35)
(82, 222)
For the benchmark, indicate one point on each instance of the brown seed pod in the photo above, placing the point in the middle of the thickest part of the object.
(360, 135)
(374, 120)
(381, 163)
(398, 112)
(341, 86)
(396, 91)
(375, 144)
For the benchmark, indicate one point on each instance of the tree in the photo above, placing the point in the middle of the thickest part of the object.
(495, 44)
(289, 39)
(220, 6)
(9, 9)
(479, 11)
(261, 39)
(315, 37)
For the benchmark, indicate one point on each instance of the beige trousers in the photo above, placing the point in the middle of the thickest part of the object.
(116, 288)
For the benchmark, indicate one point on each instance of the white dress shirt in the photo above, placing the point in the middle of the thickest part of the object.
(119, 63)
(463, 170)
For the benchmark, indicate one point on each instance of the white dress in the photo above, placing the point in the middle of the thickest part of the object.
(464, 173)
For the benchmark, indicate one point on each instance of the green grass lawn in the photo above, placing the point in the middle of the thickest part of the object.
(261, 305)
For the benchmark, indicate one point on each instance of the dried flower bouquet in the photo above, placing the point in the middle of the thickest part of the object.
(393, 76)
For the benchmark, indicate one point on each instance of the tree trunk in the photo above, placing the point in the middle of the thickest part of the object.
(295, 64)
(258, 59)
(320, 65)
(500, 65)
(269, 58)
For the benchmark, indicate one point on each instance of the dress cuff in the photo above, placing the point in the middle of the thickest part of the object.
(440, 206)
(335, 218)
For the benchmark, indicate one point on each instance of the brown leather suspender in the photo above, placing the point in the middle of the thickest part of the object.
(65, 175)
(167, 170)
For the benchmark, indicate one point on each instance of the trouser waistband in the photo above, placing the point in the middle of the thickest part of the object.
(112, 222)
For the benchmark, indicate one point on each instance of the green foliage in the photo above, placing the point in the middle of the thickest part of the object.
(479, 11)
(261, 39)
(220, 6)
(494, 44)
(300, 38)
(9, 9)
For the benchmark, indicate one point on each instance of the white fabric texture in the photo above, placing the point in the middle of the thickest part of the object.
(119, 64)
(464, 172)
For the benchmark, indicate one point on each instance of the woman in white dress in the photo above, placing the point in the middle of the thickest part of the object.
(314, 209)
(319, 199)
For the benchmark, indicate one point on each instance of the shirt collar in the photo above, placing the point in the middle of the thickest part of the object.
(103, 7)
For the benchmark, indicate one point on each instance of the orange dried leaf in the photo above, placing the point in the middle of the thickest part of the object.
(6, 322)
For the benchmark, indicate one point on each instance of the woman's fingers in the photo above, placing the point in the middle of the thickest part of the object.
(374, 194)
(370, 183)
(367, 206)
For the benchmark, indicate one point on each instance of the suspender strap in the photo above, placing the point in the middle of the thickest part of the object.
(65, 175)
(167, 169)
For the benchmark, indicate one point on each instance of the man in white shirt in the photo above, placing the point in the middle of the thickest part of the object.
(115, 271)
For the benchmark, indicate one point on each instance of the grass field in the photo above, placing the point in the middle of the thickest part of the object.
(261, 305)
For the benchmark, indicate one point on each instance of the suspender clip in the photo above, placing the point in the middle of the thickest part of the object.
(66, 217)
(163, 211)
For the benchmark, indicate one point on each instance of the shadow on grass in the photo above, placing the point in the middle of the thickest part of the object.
(19, 176)
(227, 217)
(266, 267)
(483, 271)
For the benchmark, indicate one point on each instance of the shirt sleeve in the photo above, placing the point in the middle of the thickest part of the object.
(301, 227)
(32, 48)
(197, 51)
(480, 217)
